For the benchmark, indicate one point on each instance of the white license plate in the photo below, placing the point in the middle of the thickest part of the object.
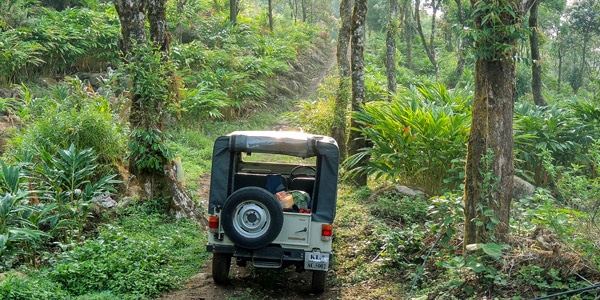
(316, 261)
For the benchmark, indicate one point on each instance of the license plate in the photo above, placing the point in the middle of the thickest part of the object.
(316, 261)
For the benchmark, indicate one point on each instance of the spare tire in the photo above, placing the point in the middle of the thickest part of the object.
(252, 217)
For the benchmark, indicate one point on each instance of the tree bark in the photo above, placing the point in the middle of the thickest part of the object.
(233, 11)
(338, 128)
(147, 114)
(491, 128)
(390, 58)
(489, 185)
(271, 15)
(132, 15)
(536, 66)
(357, 140)
(157, 18)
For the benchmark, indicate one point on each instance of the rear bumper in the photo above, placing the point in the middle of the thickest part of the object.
(272, 256)
(266, 253)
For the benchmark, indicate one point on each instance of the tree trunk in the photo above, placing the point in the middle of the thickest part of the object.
(428, 46)
(157, 18)
(489, 171)
(390, 58)
(179, 30)
(271, 15)
(233, 11)
(536, 66)
(338, 128)
(491, 128)
(303, 7)
(132, 15)
(407, 31)
(560, 59)
(357, 140)
(460, 65)
(146, 113)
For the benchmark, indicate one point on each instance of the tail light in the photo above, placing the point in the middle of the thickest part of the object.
(326, 232)
(213, 224)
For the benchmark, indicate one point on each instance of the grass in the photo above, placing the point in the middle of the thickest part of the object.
(358, 247)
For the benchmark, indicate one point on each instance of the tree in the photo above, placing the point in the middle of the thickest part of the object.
(428, 46)
(460, 65)
(390, 58)
(270, 15)
(357, 140)
(536, 66)
(152, 73)
(584, 20)
(233, 11)
(407, 30)
(338, 128)
(489, 169)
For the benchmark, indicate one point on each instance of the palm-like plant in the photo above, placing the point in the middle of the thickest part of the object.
(69, 180)
(417, 137)
(18, 219)
(561, 130)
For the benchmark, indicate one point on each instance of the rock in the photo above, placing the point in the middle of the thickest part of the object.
(522, 188)
(404, 190)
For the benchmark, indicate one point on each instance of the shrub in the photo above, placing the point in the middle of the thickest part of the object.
(395, 207)
(416, 137)
(73, 115)
(139, 257)
(566, 129)
(16, 286)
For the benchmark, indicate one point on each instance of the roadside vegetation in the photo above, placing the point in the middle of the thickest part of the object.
(71, 228)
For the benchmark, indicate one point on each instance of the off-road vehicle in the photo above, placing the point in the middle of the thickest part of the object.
(272, 202)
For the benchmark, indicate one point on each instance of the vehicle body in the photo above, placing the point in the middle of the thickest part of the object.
(247, 220)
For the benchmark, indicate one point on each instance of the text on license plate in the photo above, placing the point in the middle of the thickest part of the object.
(316, 261)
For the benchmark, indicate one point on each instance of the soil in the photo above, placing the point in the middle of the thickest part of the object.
(248, 282)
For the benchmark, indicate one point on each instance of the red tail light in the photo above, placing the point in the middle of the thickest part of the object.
(213, 224)
(326, 232)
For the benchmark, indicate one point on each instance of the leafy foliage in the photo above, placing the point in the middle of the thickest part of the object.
(140, 256)
(561, 129)
(72, 115)
(51, 45)
(416, 137)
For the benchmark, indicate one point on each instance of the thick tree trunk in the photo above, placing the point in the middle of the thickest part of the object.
(157, 18)
(338, 128)
(491, 129)
(536, 66)
(146, 114)
(489, 171)
(357, 140)
(390, 58)
(132, 15)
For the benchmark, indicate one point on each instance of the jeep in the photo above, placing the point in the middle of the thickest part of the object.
(272, 202)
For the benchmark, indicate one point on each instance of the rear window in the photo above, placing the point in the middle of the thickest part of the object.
(278, 158)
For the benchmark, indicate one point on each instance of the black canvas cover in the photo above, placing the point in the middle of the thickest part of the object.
(297, 144)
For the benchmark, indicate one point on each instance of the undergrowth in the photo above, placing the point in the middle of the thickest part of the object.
(138, 256)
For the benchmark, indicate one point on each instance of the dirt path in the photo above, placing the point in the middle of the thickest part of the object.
(248, 282)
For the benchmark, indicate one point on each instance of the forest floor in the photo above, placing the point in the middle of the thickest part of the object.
(248, 282)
